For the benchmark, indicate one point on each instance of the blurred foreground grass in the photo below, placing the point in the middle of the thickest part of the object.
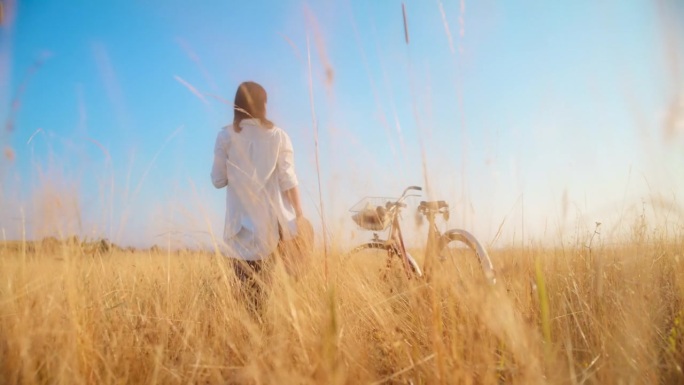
(560, 316)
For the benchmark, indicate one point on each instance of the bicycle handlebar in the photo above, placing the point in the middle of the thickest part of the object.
(399, 202)
(409, 188)
(417, 188)
(425, 206)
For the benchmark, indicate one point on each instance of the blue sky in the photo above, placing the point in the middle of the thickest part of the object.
(546, 116)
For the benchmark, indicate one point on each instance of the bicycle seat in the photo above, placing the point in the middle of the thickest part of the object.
(433, 205)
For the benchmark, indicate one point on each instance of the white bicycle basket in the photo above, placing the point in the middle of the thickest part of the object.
(370, 213)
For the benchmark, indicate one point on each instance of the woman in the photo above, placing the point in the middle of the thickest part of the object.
(254, 159)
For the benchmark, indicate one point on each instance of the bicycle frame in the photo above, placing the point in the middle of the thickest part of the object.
(434, 241)
(396, 237)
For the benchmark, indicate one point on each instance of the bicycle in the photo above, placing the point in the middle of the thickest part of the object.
(379, 214)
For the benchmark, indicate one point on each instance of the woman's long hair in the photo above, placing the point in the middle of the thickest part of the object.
(250, 103)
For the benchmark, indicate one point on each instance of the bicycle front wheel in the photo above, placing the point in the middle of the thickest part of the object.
(466, 254)
(372, 252)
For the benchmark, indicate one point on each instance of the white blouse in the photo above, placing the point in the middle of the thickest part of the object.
(257, 166)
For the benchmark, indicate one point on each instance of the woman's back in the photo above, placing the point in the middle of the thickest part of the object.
(252, 152)
(258, 167)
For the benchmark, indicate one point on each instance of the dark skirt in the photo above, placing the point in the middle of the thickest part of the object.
(252, 275)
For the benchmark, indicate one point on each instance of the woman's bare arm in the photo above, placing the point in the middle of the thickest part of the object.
(219, 176)
(293, 196)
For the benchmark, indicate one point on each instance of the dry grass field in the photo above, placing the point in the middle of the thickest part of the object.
(606, 315)
(579, 312)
